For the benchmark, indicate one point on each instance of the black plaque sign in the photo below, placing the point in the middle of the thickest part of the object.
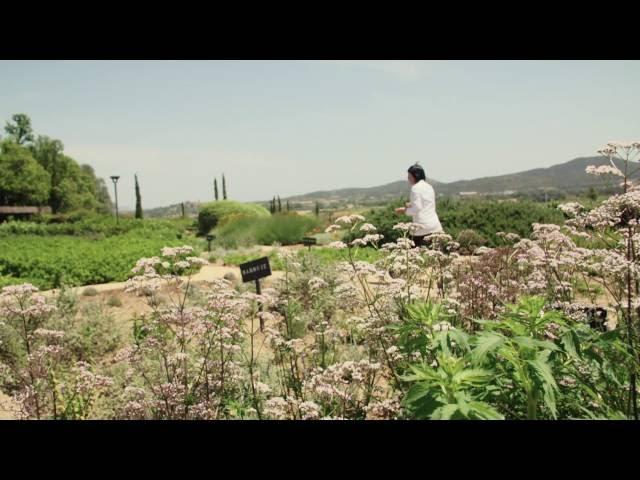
(255, 269)
(309, 241)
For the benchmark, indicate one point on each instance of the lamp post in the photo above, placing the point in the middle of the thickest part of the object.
(209, 239)
(115, 179)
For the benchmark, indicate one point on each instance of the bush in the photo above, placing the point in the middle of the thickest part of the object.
(213, 213)
(52, 260)
(470, 240)
(92, 336)
(66, 301)
(114, 302)
(486, 217)
(89, 292)
(285, 229)
(95, 226)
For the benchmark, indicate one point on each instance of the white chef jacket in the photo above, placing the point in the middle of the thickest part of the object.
(423, 209)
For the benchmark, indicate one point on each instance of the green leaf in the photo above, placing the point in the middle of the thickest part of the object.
(461, 338)
(445, 412)
(485, 411)
(571, 343)
(473, 376)
(416, 392)
(544, 374)
(532, 343)
(484, 344)
(424, 408)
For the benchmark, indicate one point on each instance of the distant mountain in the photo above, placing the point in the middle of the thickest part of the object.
(565, 178)
(569, 177)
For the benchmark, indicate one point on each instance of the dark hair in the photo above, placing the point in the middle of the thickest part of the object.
(417, 172)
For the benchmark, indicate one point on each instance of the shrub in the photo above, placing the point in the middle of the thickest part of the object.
(212, 213)
(486, 217)
(91, 337)
(89, 292)
(285, 229)
(66, 301)
(48, 261)
(114, 302)
(470, 240)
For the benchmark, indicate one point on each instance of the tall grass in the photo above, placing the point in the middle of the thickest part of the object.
(285, 229)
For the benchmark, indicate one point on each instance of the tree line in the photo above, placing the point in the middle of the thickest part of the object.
(34, 171)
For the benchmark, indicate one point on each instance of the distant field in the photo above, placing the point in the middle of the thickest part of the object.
(50, 260)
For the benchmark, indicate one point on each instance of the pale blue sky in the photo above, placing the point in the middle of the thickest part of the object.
(292, 127)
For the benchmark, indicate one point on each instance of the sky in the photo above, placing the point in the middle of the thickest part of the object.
(294, 127)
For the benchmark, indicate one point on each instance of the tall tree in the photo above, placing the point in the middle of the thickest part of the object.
(317, 209)
(48, 152)
(103, 197)
(215, 188)
(138, 199)
(224, 187)
(100, 190)
(19, 128)
(23, 181)
(288, 206)
(279, 205)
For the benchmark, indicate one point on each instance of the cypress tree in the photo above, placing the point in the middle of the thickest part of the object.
(215, 188)
(279, 205)
(317, 209)
(288, 206)
(224, 187)
(138, 200)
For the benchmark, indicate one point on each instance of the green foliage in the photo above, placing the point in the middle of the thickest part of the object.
(490, 217)
(59, 181)
(92, 335)
(469, 241)
(89, 292)
(71, 187)
(331, 255)
(211, 214)
(530, 363)
(19, 128)
(22, 180)
(485, 217)
(49, 261)
(449, 391)
(285, 229)
(93, 226)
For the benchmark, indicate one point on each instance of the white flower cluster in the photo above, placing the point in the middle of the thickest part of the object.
(604, 170)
